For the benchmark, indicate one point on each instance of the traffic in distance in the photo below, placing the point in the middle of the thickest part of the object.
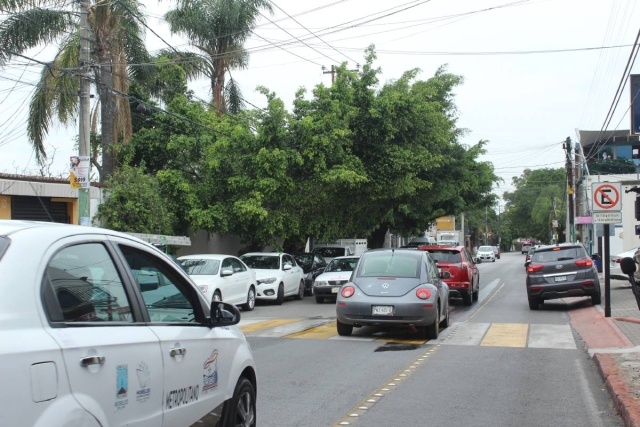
(107, 330)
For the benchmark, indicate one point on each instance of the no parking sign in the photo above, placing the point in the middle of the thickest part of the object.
(607, 203)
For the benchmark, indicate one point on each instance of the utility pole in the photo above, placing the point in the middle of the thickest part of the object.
(555, 220)
(568, 146)
(84, 216)
(334, 71)
(486, 226)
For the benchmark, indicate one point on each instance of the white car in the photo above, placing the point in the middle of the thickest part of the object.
(222, 278)
(336, 273)
(614, 264)
(278, 275)
(486, 253)
(91, 340)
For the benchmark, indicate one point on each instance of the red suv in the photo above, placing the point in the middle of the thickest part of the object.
(465, 278)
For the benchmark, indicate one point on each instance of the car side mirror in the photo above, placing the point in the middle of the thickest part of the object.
(286, 267)
(445, 275)
(226, 272)
(224, 314)
(628, 265)
(477, 260)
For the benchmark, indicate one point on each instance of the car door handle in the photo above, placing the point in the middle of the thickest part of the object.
(177, 352)
(92, 360)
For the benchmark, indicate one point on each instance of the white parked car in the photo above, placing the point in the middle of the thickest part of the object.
(277, 274)
(336, 273)
(486, 253)
(103, 329)
(222, 278)
(614, 264)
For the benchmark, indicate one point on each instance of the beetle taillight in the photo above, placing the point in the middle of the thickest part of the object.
(423, 293)
(348, 291)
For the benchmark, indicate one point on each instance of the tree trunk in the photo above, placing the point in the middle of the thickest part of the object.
(376, 239)
(107, 112)
(217, 86)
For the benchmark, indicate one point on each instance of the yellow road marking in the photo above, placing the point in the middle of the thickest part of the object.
(506, 335)
(321, 332)
(267, 324)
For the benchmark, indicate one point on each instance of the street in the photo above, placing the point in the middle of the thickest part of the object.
(497, 364)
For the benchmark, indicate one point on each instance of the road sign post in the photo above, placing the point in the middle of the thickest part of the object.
(607, 209)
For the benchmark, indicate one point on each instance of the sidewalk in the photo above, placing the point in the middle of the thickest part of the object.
(614, 345)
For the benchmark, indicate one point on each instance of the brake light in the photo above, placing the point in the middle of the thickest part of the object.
(348, 291)
(618, 260)
(534, 268)
(423, 293)
(586, 262)
(536, 288)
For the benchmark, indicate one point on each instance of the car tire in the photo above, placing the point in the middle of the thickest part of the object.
(534, 304)
(319, 300)
(431, 331)
(474, 294)
(301, 291)
(466, 298)
(308, 292)
(251, 300)
(596, 299)
(494, 260)
(445, 322)
(344, 330)
(217, 296)
(280, 297)
(241, 408)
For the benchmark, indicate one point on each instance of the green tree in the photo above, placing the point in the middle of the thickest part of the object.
(219, 29)
(116, 40)
(135, 204)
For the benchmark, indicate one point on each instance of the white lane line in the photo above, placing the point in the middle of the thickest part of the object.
(486, 290)
(551, 336)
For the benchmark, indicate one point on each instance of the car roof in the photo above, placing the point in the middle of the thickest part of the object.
(205, 256)
(264, 253)
(346, 257)
(434, 247)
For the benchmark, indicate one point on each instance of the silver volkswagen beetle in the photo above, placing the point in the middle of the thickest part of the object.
(394, 287)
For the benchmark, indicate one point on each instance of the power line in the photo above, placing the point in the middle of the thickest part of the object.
(311, 32)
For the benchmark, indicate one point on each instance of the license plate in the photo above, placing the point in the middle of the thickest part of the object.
(561, 278)
(334, 290)
(382, 310)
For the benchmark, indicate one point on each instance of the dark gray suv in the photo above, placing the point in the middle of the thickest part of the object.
(558, 271)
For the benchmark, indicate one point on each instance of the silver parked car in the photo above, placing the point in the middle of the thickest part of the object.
(394, 287)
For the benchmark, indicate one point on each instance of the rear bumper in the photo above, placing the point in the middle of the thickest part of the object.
(360, 313)
(555, 291)
(326, 291)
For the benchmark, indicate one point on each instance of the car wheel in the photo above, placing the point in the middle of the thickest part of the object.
(445, 322)
(466, 298)
(494, 260)
(431, 331)
(240, 410)
(251, 300)
(319, 300)
(300, 293)
(280, 297)
(344, 329)
(534, 304)
(217, 296)
(308, 292)
(596, 299)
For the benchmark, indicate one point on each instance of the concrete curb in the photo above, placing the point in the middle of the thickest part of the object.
(624, 401)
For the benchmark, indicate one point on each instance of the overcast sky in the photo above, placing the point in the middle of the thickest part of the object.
(524, 104)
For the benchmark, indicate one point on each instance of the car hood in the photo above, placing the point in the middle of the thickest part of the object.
(203, 280)
(263, 274)
(334, 275)
(386, 286)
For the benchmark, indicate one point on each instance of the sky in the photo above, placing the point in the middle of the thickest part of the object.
(522, 101)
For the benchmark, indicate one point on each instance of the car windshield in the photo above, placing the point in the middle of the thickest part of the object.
(343, 264)
(445, 256)
(556, 255)
(330, 252)
(392, 264)
(485, 249)
(201, 267)
(305, 260)
(262, 262)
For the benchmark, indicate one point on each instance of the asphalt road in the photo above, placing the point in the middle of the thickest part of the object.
(498, 364)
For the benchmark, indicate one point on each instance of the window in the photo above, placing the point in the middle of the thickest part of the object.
(442, 255)
(83, 285)
(559, 255)
(393, 265)
(261, 262)
(288, 260)
(319, 261)
(238, 266)
(165, 296)
(200, 267)
(226, 265)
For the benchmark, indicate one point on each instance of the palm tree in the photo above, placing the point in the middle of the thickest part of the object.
(116, 41)
(219, 29)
